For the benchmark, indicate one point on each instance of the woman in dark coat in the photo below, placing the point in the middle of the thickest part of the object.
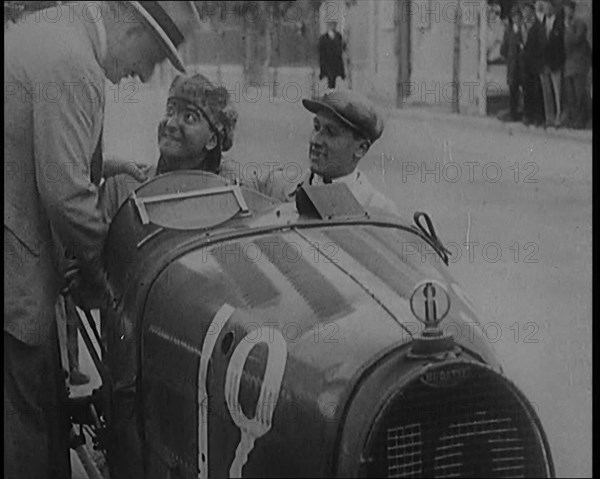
(331, 61)
(511, 50)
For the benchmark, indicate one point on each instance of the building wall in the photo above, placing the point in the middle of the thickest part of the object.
(432, 54)
(374, 49)
(372, 37)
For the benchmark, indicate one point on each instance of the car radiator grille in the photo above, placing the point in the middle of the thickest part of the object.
(477, 427)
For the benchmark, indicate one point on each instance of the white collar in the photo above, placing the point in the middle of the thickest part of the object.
(352, 177)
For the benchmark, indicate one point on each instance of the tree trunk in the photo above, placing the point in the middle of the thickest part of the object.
(255, 60)
(456, 64)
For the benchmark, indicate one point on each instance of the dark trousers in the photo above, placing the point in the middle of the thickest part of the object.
(514, 90)
(72, 334)
(533, 106)
(551, 82)
(577, 101)
(36, 428)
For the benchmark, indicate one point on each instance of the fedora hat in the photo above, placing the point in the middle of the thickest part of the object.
(170, 22)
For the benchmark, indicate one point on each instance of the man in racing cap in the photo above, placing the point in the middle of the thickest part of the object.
(55, 69)
(197, 128)
(346, 124)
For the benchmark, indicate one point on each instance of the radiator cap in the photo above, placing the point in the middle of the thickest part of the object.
(430, 304)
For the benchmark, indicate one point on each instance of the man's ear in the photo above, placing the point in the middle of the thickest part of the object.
(362, 149)
(134, 31)
(212, 142)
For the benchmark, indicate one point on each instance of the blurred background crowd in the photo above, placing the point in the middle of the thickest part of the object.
(518, 60)
(548, 58)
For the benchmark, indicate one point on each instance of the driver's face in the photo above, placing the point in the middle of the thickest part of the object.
(184, 132)
(332, 147)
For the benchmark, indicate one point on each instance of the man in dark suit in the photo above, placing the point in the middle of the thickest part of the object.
(331, 48)
(554, 61)
(511, 48)
(531, 62)
(577, 66)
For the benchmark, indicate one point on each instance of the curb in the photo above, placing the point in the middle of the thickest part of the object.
(509, 128)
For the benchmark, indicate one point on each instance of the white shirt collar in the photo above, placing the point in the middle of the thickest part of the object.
(352, 177)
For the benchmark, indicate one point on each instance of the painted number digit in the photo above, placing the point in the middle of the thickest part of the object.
(252, 429)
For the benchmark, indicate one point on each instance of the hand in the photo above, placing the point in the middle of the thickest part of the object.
(90, 289)
(72, 276)
(115, 166)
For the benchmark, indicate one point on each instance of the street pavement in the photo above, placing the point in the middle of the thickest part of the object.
(513, 205)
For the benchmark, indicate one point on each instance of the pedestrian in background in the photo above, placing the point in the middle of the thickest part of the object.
(531, 66)
(512, 46)
(540, 10)
(554, 61)
(331, 49)
(577, 65)
(496, 30)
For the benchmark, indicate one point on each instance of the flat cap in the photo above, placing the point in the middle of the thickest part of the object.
(353, 109)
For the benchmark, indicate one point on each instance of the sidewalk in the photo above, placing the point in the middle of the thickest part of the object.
(488, 122)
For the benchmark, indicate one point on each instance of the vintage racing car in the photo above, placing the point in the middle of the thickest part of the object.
(248, 338)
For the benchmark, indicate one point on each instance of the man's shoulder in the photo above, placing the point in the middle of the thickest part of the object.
(281, 183)
(230, 168)
(62, 49)
(115, 190)
(369, 196)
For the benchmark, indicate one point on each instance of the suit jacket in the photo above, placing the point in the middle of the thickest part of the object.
(577, 49)
(554, 44)
(283, 189)
(330, 56)
(512, 46)
(53, 113)
(532, 55)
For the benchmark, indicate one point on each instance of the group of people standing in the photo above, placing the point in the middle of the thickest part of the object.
(548, 61)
